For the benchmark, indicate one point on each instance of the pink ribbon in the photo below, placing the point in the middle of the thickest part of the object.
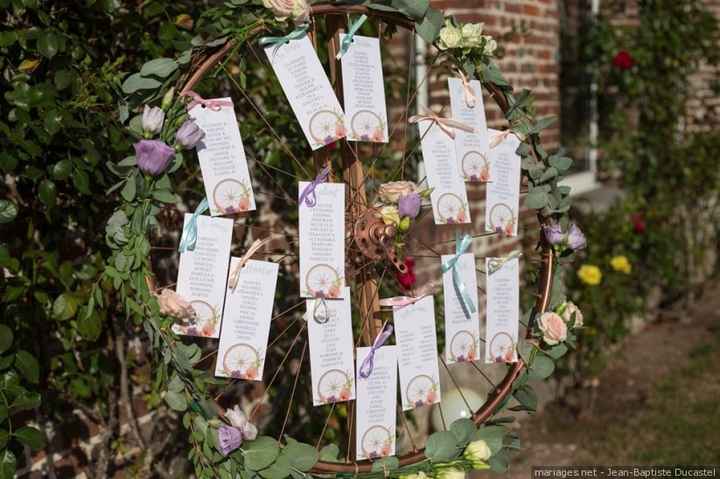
(445, 124)
(398, 302)
(470, 97)
(235, 274)
(500, 137)
(214, 105)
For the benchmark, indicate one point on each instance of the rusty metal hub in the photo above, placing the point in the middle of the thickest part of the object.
(375, 239)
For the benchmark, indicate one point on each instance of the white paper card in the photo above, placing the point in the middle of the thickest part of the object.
(462, 331)
(376, 405)
(502, 200)
(417, 353)
(503, 312)
(332, 365)
(202, 275)
(309, 92)
(222, 160)
(364, 91)
(322, 242)
(248, 313)
(471, 148)
(449, 196)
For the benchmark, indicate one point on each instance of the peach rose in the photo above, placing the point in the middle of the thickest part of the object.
(391, 192)
(171, 304)
(298, 10)
(553, 328)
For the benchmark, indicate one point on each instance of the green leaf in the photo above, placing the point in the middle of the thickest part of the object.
(48, 44)
(30, 437)
(441, 446)
(28, 366)
(414, 9)
(90, 325)
(47, 193)
(302, 456)
(536, 199)
(4, 435)
(260, 453)
(161, 67)
(386, 464)
(64, 78)
(165, 196)
(6, 338)
(557, 351)
(492, 435)
(541, 367)
(8, 464)
(128, 191)
(64, 307)
(562, 163)
(548, 175)
(431, 25)
(8, 211)
(176, 401)
(279, 469)
(463, 429)
(136, 82)
(526, 397)
(330, 453)
(25, 402)
(61, 170)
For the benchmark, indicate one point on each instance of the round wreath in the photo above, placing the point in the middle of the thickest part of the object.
(476, 443)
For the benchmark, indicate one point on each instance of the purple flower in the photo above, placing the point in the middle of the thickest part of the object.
(189, 135)
(576, 238)
(553, 233)
(409, 205)
(153, 156)
(229, 439)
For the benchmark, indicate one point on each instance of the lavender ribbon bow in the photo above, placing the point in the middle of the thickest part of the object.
(308, 194)
(366, 368)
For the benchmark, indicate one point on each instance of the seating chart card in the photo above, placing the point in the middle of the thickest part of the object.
(503, 312)
(462, 328)
(364, 91)
(471, 148)
(376, 405)
(502, 200)
(329, 324)
(449, 196)
(308, 90)
(222, 159)
(417, 353)
(248, 314)
(202, 275)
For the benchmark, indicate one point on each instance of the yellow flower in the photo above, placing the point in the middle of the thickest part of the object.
(590, 274)
(621, 263)
(390, 215)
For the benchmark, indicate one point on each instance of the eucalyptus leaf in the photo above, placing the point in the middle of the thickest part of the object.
(302, 456)
(160, 67)
(431, 24)
(136, 82)
(176, 401)
(536, 199)
(330, 453)
(463, 429)
(541, 367)
(492, 435)
(260, 453)
(441, 446)
(386, 464)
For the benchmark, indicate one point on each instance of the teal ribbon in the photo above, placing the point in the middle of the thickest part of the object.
(277, 42)
(347, 41)
(188, 240)
(462, 243)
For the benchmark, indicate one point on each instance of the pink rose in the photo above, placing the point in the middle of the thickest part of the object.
(553, 328)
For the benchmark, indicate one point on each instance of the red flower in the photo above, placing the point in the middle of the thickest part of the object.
(623, 60)
(407, 279)
(638, 222)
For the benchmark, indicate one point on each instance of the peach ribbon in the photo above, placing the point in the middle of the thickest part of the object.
(445, 124)
(214, 105)
(470, 97)
(398, 302)
(500, 137)
(235, 274)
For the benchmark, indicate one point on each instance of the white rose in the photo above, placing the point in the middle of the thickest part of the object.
(490, 45)
(553, 328)
(392, 191)
(567, 314)
(238, 419)
(450, 37)
(472, 34)
(298, 10)
(152, 119)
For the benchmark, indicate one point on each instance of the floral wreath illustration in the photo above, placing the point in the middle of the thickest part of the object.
(366, 125)
(452, 209)
(323, 281)
(242, 361)
(464, 346)
(376, 442)
(231, 196)
(326, 126)
(335, 385)
(421, 390)
(475, 167)
(203, 324)
(502, 216)
(502, 348)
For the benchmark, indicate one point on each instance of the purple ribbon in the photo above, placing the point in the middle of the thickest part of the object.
(366, 368)
(308, 194)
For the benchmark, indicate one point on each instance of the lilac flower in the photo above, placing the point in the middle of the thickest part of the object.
(189, 135)
(229, 439)
(553, 233)
(576, 238)
(409, 205)
(153, 156)
(152, 120)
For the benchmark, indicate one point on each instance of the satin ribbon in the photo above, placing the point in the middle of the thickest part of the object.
(461, 246)
(188, 240)
(347, 41)
(277, 42)
(366, 368)
(235, 274)
(500, 137)
(318, 303)
(496, 263)
(445, 124)
(214, 105)
(470, 97)
(308, 194)
(398, 302)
